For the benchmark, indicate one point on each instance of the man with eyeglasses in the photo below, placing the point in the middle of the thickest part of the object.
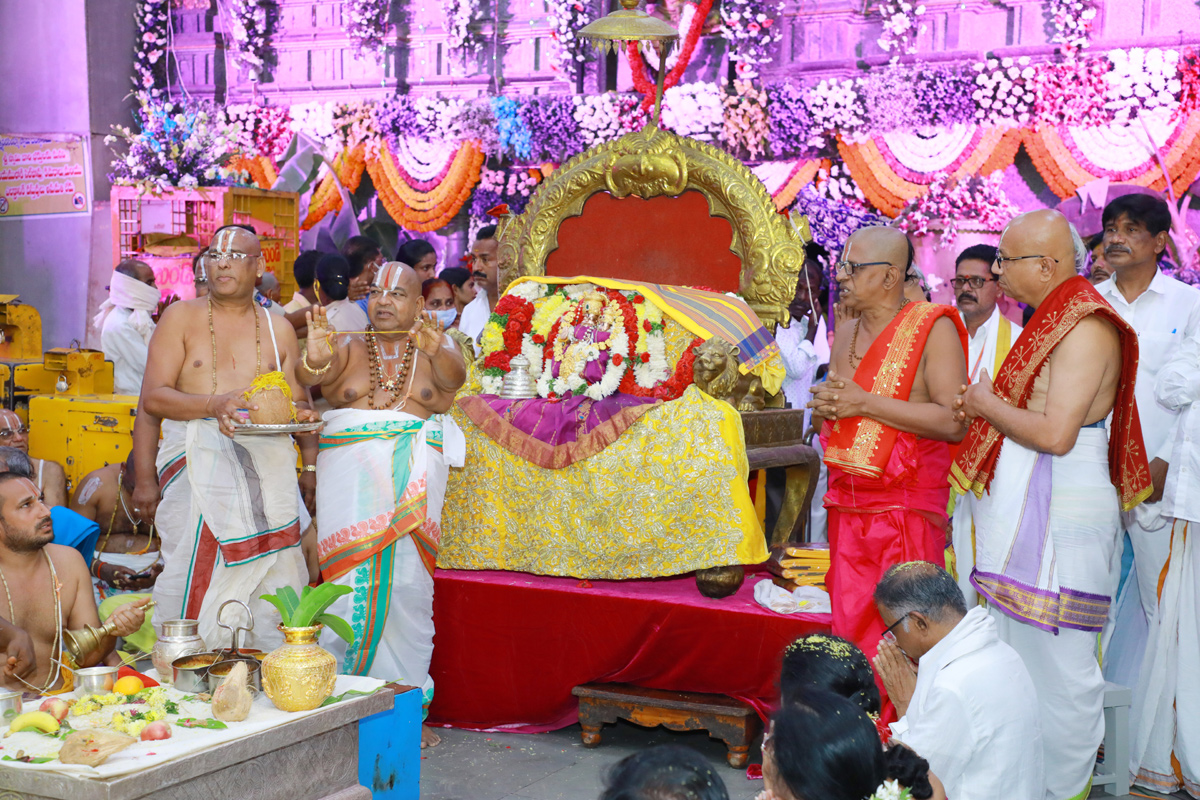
(1050, 481)
(228, 520)
(990, 335)
(971, 709)
(885, 415)
(49, 476)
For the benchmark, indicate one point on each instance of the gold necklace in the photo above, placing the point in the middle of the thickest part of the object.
(393, 384)
(58, 633)
(854, 358)
(212, 335)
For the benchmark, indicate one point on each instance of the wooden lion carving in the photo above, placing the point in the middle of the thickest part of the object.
(715, 372)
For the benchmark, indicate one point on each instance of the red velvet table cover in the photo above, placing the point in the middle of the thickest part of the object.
(510, 646)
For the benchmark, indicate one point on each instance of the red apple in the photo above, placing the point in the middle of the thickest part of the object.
(155, 731)
(55, 707)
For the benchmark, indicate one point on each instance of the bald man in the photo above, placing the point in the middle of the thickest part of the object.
(49, 476)
(390, 390)
(228, 520)
(886, 416)
(1056, 481)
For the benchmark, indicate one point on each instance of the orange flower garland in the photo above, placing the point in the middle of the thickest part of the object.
(802, 175)
(419, 211)
(1059, 166)
(326, 198)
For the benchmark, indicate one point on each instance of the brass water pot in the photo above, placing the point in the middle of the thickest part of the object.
(299, 674)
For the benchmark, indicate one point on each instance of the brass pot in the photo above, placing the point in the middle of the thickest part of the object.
(299, 674)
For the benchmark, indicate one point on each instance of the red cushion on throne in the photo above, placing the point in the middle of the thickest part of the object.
(670, 240)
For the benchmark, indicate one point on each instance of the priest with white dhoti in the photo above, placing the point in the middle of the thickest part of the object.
(990, 335)
(1165, 755)
(1051, 481)
(385, 455)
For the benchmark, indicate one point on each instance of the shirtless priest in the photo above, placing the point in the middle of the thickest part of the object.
(885, 432)
(1052, 481)
(47, 588)
(390, 389)
(229, 517)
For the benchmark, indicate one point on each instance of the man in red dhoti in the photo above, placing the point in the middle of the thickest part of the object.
(885, 432)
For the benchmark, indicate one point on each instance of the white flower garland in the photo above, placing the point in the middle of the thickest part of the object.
(248, 27)
(1072, 21)
(367, 26)
(901, 27)
(457, 16)
(568, 16)
(835, 105)
(608, 116)
(750, 26)
(694, 109)
(1005, 91)
(153, 26)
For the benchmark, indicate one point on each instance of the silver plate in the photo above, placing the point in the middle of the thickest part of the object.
(251, 429)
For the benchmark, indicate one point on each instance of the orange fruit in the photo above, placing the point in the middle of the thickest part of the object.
(128, 685)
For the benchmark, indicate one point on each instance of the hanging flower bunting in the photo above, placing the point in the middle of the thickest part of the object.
(150, 51)
(784, 180)
(250, 29)
(326, 198)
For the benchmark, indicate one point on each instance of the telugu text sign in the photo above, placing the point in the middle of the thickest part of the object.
(42, 175)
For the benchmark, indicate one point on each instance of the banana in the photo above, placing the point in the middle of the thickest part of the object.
(38, 720)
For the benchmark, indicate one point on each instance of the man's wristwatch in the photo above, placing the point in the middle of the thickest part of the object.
(309, 468)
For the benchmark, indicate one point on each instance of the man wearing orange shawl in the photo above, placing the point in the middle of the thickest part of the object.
(885, 433)
(1055, 482)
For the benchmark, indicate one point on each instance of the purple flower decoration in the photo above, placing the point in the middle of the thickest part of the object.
(553, 130)
(791, 131)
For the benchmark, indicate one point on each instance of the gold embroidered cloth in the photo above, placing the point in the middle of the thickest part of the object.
(668, 497)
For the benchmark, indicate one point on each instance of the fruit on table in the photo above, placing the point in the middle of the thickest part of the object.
(55, 707)
(34, 720)
(129, 685)
(155, 731)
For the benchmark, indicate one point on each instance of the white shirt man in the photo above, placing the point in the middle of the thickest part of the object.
(125, 324)
(973, 712)
(1167, 697)
(345, 315)
(475, 315)
(1164, 313)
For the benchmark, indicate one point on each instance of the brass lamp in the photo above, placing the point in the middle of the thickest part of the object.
(628, 24)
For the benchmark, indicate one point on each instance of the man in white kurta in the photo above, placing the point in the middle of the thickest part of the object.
(1164, 312)
(972, 713)
(125, 324)
(1165, 755)
(990, 335)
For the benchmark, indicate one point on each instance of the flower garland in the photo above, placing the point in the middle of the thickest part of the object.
(835, 105)
(694, 109)
(553, 129)
(509, 187)
(950, 202)
(1072, 22)
(150, 51)
(792, 128)
(368, 26)
(349, 166)
(1005, 91)
(565, 18)
(423, 211)
(603, 117)
(514, 133)
(1142, 80)
(261, 130)
(1071, 92)
(744, 123)
(183, 145)
(457, 16)
(642, 80)
(250, 27)
(752, 32)
(901, 27)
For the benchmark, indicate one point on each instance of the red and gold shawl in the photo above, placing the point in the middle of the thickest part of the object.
(861, 445)
(1054, 319)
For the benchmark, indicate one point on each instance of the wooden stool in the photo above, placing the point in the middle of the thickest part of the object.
(732, 721)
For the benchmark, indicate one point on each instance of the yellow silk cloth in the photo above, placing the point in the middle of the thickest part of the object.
(668, 497)
(704, 314)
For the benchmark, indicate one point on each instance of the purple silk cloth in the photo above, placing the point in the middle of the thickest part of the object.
(562, 421)
(593, 370)
(554, 433)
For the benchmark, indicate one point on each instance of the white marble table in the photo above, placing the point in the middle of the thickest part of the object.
(313, 758)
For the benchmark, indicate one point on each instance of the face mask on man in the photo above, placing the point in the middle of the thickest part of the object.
(445, 316)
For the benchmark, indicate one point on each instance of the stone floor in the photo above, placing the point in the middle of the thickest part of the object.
(555, 766)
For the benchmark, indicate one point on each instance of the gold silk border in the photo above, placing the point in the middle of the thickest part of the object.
(859, 457)
(668, 497)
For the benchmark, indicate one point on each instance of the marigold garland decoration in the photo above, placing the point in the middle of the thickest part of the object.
(890, 186)
(419, 209)
(326, 198)
(1059, 160)
(262, 170)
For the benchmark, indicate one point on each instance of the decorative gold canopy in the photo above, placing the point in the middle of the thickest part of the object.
(627, 24)
(650, 163)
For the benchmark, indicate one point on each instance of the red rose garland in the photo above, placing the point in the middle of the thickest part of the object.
(637, 65)
(671, 389)
(512, 314)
